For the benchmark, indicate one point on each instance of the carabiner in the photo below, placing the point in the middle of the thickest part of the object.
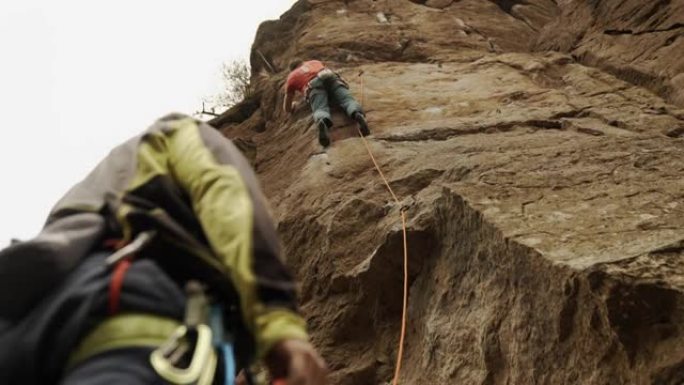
(202, 365)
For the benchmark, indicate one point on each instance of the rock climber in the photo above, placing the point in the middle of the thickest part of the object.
(161, 266)
(319, 83)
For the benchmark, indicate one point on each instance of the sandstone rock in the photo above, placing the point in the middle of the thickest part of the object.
(544, 195)
(640, 42)
(439, 4)
(381, 18)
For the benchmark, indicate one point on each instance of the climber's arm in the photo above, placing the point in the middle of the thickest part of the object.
(287, 103)
(228, 203)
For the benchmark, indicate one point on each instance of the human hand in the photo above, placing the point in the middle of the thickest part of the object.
(241, 379)
(297, 362)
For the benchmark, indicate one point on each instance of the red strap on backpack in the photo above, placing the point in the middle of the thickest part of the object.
(116, 284)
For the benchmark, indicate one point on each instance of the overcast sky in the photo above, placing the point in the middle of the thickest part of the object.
(78, 77)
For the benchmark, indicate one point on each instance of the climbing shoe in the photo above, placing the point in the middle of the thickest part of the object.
(323, 127)
(361, 120)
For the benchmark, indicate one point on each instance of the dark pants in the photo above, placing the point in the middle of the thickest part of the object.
(331, 88)
(122, 366)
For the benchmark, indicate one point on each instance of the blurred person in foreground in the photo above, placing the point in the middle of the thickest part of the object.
(162, 266)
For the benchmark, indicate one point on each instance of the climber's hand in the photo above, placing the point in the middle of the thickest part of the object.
(297, 362)
(241, 378)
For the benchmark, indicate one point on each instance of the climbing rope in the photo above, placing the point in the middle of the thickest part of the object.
(400, 353)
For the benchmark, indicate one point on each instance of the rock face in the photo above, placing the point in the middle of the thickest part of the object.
(641, 42)
(544, 195)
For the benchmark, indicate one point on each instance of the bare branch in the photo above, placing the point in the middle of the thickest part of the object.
(236, 82)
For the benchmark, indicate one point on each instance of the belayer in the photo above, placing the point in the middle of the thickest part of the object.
(319, 84)
(161, 266)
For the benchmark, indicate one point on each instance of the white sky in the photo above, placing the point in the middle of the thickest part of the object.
(78, 77)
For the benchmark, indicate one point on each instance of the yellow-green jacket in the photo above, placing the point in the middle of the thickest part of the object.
(184, 179)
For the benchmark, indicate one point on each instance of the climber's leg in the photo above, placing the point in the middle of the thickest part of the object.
(341, 95)
(318, 99)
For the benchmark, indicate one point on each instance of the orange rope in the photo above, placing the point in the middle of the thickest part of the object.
(400, 353)
(365, 142)
(404, 308)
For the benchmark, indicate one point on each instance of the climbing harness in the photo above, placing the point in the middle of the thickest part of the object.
(326, 75)
(190, 353)
(402, 335)
(203, 335)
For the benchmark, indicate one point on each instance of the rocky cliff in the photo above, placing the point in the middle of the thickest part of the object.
(637, 41)
(537, 147)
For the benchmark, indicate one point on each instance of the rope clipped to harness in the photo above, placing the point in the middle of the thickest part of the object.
(402, 335)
